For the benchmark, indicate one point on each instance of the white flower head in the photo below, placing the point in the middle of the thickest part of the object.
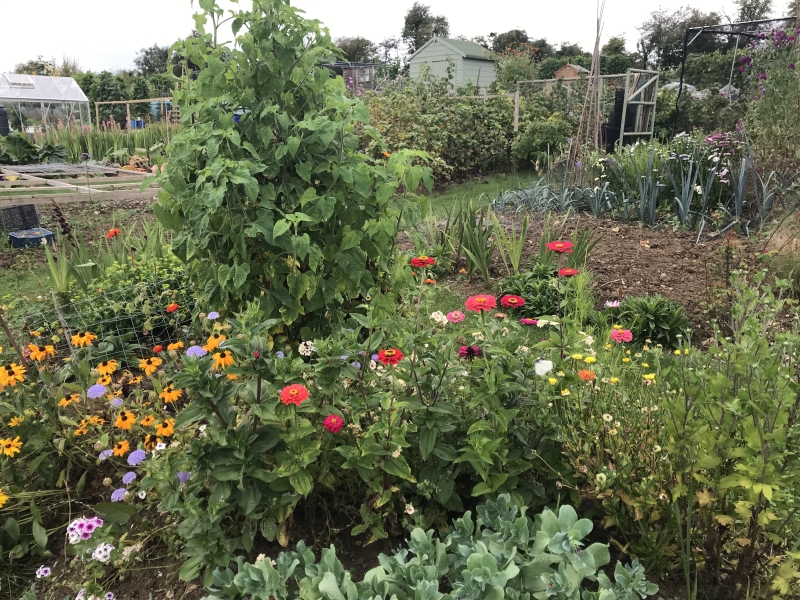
(306, 348)
(543, 367)
(409, 509)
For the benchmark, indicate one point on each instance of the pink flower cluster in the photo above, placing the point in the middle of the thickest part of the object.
(621, 335)
(81, 530)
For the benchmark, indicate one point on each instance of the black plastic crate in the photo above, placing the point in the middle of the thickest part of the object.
(19, 218)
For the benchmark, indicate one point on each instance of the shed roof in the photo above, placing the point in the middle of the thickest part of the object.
(36, 88)
(463, 48)
(578, 68)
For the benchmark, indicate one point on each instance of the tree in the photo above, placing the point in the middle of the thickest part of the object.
(662, 35)
(613, 57)
(421, 25)
(508, 40)
(108, 89)
(753, 10)
(569, 50)
(36, 66)
(357, 49)
(614, 45)
(152, 60)
(141, 91)
(545, 48)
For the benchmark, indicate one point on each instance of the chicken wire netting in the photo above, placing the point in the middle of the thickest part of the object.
(128, 321)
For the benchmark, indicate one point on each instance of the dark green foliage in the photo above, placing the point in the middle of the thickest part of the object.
(537, 287)
(661, 44)
(357, 49)
(108, 88)
(152, 60)
(141, 90)
(541, 137)
(17, 149)
(654, 318)
(265, 185)
(508, 40)
(421, 25)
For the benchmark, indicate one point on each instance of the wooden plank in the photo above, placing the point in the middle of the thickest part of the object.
(18, 182)
(25, 176)
(132, 101)
(69, 198)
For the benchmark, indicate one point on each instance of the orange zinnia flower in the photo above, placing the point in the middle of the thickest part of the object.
(587, 375)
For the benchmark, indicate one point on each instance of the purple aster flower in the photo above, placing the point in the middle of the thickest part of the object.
(213, 315)
(96, 391)
(356, 364)
(118, 495)
(343, 357)
(279, 354)
(196, 351)
(128, 477)
(116, 402)
(105, 454)
(569, 140)
(184, 476)
(136, 457)
(374, 357)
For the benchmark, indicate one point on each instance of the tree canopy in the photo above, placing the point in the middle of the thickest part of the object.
(357, 48)
(421, 25)
(152, 60)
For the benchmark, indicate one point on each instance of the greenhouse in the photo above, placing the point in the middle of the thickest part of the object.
(33, 100)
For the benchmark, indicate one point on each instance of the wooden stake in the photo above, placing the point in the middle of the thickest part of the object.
(67, 335)
(12, 341)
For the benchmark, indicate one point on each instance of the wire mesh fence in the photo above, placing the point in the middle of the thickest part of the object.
(128, 321)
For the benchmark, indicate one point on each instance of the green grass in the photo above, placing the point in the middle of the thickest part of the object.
(488, 187)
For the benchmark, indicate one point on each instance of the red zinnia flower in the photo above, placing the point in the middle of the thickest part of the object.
(586, 375)
(112, 233)
(158, 349)
(172, 307)
(423, 261)
(390, 357)
(294, 394)
(512, 301)
(568, 272)
(333, 423)
(430, 281)
(559, 247)
(480, 302)
(470, 352)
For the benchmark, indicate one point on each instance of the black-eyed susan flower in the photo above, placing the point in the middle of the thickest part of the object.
(135, 380)
(3, 498)
(223, 360)
(213, 341)
(104, 380)
(107, 367)
(125, 420)
(39, 353)
(166, 427)
(16, 421)
(11, 375)
(121, 448)
(170, 394)
(95, 420)
(10, 447)
(147, 421)
(150, 365)
(150, 442)
(82, 339)
(174, 347)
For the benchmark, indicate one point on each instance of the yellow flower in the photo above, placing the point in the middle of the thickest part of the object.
(148, 420)
(175, 346)
(626, 360)
(121, 448)
(150, 365)
(95, 420)
(166, 428)
(170, 394)
(135, 380)
(650, 376)
(125, 420)
(589, 360)
(616, 327)
(677, 352)
(645, 365)
(552, 381)
(614, 380)
(213, 342)
(627, 351)
(41, 352)
(222, 360)
(107, 367)
(608, 346)
(232, 377)
(560, 373)
(3, 498)
(10, 447)
(16, 421)
(686, 351)
(12, 374)
(83, 339)
(104, 380)
(577, 356)
(612, 431)
(565, 392)
(73, 398)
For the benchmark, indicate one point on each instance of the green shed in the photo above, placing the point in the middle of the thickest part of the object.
(471, 62)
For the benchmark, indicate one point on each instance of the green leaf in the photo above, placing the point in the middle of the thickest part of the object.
(190, 414)
(116, 512)
(329, 588)
(191, 568)
(280, 228)
(240, 275)
(427, 440)
(11, 527)
(302, 482)
(39, 535)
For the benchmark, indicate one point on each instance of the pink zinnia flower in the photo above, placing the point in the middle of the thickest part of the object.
(621, 335)
(527, 321)
(333, 423)
(456, 316)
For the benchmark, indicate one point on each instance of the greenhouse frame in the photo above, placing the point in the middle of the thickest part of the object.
(35, 100)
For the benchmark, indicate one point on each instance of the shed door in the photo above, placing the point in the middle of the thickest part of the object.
(438, 68)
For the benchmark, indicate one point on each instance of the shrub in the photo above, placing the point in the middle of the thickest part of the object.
(500, 555)
(542, 139)
(536, 287)
(654, 318)
(265, 185)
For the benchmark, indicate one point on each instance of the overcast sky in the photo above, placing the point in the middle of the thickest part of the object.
(106, 34)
